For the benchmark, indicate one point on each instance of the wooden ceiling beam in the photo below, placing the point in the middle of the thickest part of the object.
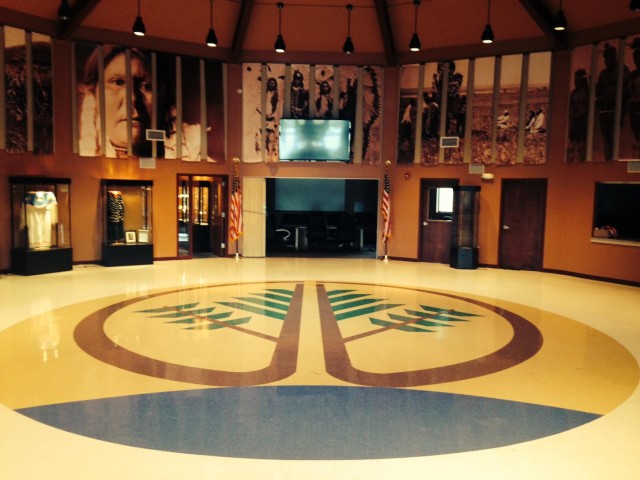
(544, 20)
(79, 11)
(385, 32)
(242, 24)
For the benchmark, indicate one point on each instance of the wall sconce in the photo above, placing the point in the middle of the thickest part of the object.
(348, 47)
(279, 45)
(560, 22)
(211, 40)
(138, 25)
(487, 34)
(414, 44)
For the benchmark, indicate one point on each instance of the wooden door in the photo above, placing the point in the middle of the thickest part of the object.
(523, 206)
(435, 221)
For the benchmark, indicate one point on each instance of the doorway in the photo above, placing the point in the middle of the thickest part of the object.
(201, 216)
(436, 213)
(523, 206)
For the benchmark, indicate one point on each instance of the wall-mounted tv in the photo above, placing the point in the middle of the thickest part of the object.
(315, 139)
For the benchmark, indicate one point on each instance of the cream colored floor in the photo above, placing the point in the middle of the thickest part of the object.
(603, 449)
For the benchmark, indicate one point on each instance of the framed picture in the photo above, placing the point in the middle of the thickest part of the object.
(143, 236)
(130, 237)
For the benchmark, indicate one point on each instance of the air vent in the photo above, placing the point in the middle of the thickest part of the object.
(633, 167)
(149, 162)
(449, 142)
(155, 135)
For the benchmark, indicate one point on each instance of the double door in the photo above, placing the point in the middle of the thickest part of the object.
(201, 216)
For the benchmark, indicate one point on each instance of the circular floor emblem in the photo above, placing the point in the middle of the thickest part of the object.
(312, 370)
(441, 337)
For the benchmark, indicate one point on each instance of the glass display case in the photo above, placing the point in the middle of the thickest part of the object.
(127, 234)
(464, 231)
(41, 225)
(200, 216)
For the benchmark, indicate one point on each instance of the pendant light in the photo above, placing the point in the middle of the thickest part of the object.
(138, 25)
(414, 44)
(560, 22)
(211, 40)
(64, 11)
(634, 5)
(279, 45)
(487, 33)
(348, 47)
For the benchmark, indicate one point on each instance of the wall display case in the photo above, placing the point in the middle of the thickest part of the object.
(40, 224)
(464, 233)
(127, 237)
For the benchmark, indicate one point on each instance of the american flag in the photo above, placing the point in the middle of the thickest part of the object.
(236, 226)
(385, 208)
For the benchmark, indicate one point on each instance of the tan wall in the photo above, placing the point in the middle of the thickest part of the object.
(568, 244)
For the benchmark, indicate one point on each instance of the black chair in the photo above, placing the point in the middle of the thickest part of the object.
(317, 230)
(277, 238)
(348, 232)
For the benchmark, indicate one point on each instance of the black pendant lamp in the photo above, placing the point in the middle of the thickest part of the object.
(279, 45)
(211, 40)
(487, 33)
(414, 44)
(138, 25)
(560, 22)
(348, 47)
(64, 10)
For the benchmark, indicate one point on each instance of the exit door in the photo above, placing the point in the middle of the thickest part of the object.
(436, 213)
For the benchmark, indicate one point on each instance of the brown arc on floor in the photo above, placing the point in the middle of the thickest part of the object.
(89, 334)
(525, 343)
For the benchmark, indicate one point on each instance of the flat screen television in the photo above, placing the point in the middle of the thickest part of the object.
(315, 139)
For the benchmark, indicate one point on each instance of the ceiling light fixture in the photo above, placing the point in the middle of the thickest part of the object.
(414, 44)
(634, 5)
(560, 22)
(487, 34)
(138, 25)
(348, 47)
(64, 11)
(279, 45)
(211, 40)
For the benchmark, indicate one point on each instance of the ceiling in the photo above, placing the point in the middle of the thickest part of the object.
(315, 30)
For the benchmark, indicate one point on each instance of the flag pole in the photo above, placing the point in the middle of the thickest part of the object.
(385, 209)
(237, 227)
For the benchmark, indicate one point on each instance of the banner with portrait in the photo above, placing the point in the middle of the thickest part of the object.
(457, 91)
(580, 105)
(507, 122)
(629, 138)
(608, 112)
(430, 111)
(407, 112)
(538, 81)
(123, 92)
(28, 92)
(482, 121)
(275, 91)
(372, 99)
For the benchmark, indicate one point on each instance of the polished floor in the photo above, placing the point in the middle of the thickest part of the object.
(310, 368)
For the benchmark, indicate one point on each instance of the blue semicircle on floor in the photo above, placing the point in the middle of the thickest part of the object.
(309, 422)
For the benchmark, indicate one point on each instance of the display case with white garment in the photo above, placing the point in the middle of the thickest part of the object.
(127, 222)
(41, 225)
